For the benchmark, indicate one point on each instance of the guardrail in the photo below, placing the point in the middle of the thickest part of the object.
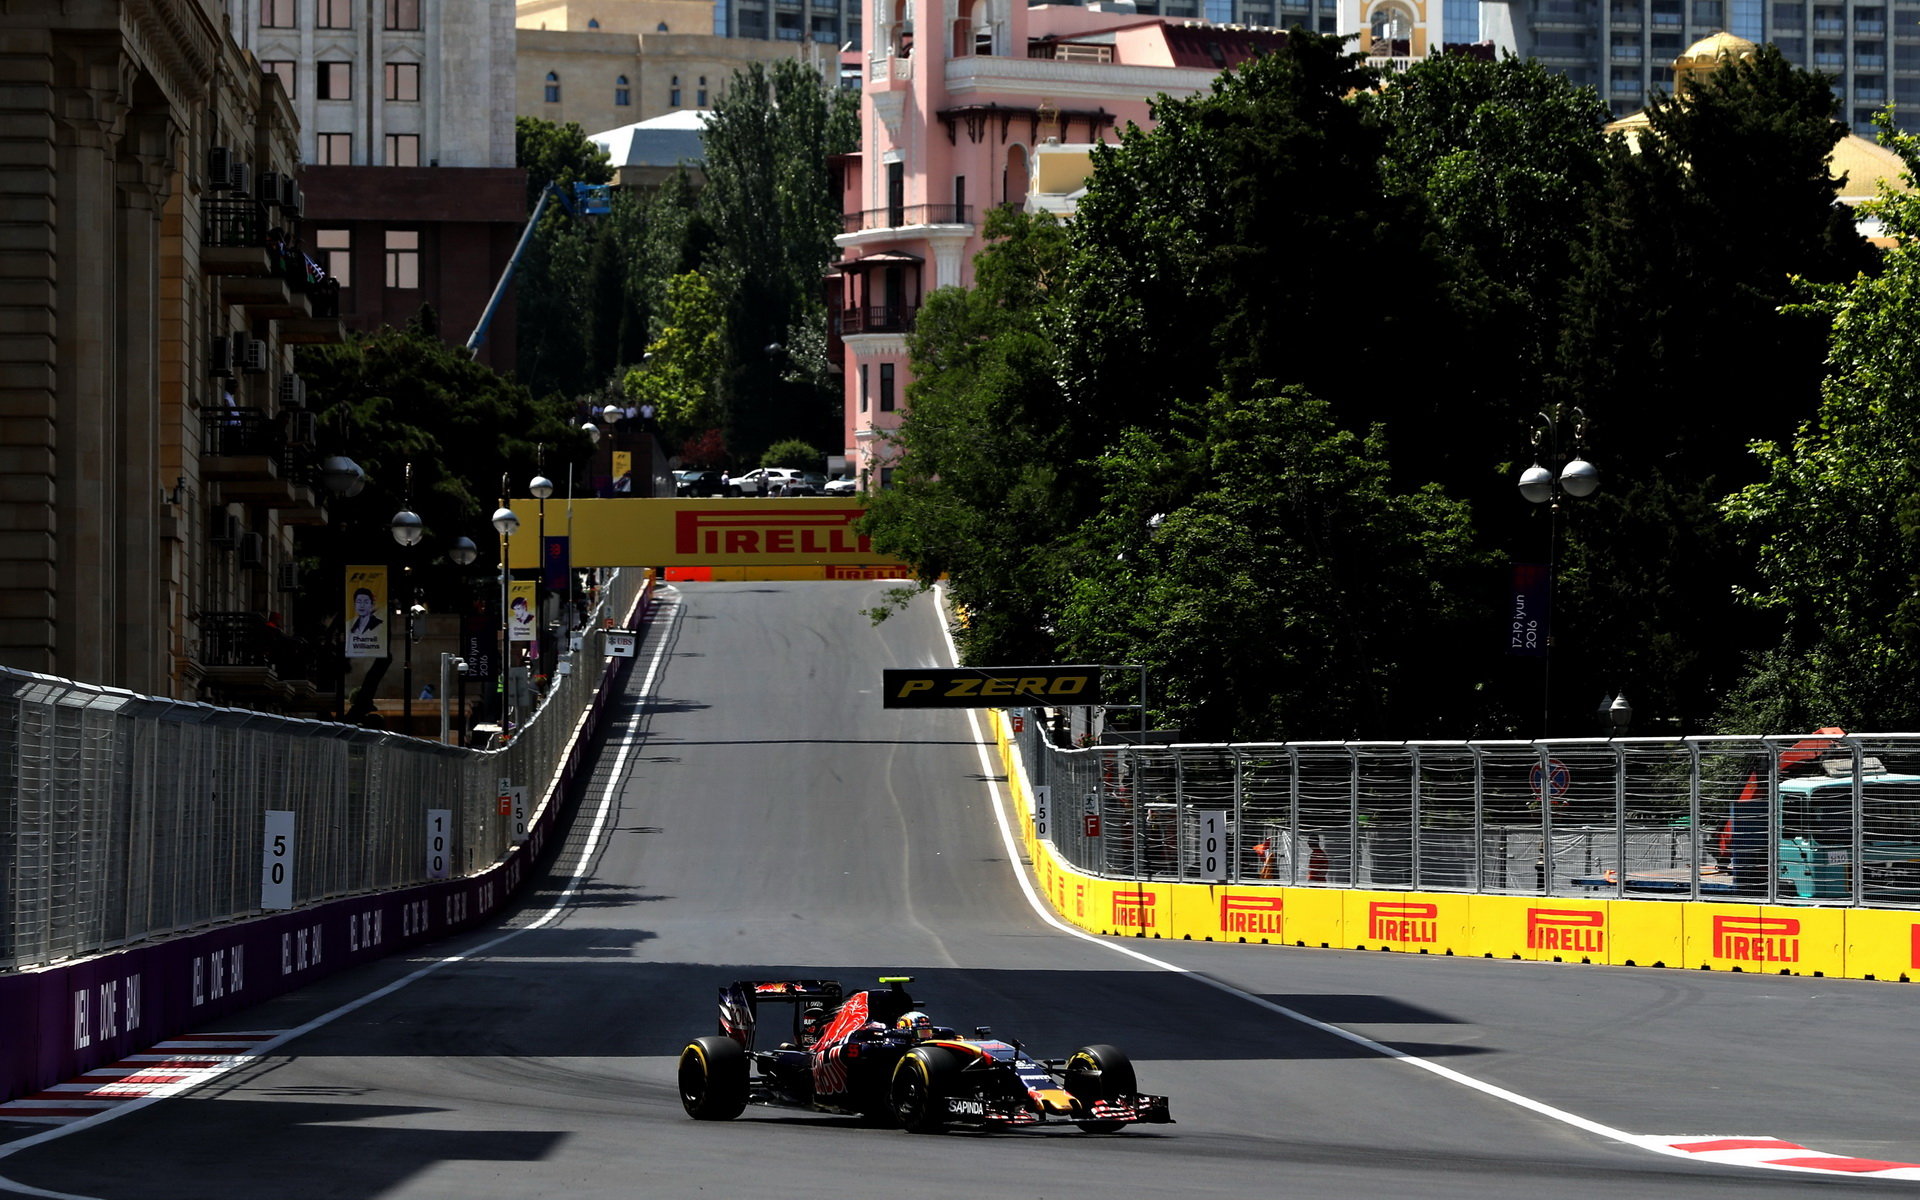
(125, 818)
(1832, 820)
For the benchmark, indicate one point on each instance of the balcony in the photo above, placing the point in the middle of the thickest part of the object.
(245, 452)
(234, 241)
(248, 659)
(901, 216)
(881, 318)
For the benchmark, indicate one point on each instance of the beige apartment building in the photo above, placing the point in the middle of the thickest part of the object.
(619, 62)
(156, 453)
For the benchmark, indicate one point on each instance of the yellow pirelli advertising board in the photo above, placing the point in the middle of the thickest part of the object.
(731, 533)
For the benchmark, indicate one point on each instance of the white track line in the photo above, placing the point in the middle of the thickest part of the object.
(1672, 1145)
(574, 881)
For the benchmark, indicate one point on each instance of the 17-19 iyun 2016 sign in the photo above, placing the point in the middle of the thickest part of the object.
(990, 687)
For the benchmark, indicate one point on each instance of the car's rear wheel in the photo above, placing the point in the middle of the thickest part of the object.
(713, 1079)
(922, 1081)
(1099, 1073)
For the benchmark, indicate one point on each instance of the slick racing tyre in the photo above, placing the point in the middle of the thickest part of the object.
(922, 1081)
(713, 1079)
(1099, 1073)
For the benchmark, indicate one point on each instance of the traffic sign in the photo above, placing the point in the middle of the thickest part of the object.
(1558, 777)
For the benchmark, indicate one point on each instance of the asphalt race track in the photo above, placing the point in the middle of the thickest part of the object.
(755, 812)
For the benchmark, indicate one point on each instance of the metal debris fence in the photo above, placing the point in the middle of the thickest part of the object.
(127, 817)
(1640, 817)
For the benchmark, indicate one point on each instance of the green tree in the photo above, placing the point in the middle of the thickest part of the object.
(770, 203)
(793, 454)
(1290, 593)
(1836, 522)
(684, 362)
(976, 493)
(564, 275)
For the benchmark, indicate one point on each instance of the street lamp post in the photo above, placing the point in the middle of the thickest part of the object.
(1575, 478)
(408, 529)
(507, 524)
(541, 487)
(461, 553)
(613, 414)
(344, 479)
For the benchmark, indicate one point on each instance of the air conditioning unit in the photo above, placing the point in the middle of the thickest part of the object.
(242, 180)
(219, 168)
(253, 356)
(223, 528)
(270, 187)
(220, 355)
(293, 392)
(287, 577)
(302, 428)
(253, 550)
(293, 201)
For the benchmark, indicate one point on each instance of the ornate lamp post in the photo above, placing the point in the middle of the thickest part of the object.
(1570, 476)
(461, 554)
(407, 529)
(507, 524)
(540, 488)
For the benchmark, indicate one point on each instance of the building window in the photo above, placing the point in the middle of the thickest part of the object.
(622, 94)
(281, 69)
(403, 258)
(700, 97)
(863, 387)
(673, 93)
(553, 88)
(332, 149)
(403, 149)
(276, 14)
(886, 387)
(336, 253)
(403, 81)
(333, 81)
(333, 14)
(787, 28)
(403, 14)
(593, 22)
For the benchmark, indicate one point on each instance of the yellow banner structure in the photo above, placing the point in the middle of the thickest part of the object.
(733, 533)
(1853, 943)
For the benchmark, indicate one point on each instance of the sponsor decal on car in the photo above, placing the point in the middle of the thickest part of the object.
(961, 1106)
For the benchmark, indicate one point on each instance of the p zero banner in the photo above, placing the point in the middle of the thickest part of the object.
(990, 687)
(738, 532)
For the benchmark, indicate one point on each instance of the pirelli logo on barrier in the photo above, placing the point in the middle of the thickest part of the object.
(1135, 910)
(1569, 930)
(1403, 921)
(1256, 913)
(990, 687)
(1757, 940)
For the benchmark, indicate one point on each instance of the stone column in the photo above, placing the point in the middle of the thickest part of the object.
(91, 78)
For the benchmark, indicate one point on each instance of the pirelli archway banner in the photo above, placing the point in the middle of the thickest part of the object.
(743, 532)
(989, 687)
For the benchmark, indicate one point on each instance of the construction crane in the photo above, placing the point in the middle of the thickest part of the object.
(582, 200)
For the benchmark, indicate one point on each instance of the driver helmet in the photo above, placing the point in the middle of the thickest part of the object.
(916, 1023)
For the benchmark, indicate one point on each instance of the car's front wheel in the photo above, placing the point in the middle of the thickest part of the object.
(922, 1081)
(1099, 1073)
(713, 1079)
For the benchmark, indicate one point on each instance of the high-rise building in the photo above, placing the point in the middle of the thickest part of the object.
(406, 112)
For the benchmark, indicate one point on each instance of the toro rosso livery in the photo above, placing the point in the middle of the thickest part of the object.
(873, 1054)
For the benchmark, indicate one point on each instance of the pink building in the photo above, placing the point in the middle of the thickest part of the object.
(970, 104)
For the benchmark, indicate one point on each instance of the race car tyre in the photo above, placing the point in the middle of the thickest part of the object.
(1099, 1073)
(713, 1079)
(922, 1081)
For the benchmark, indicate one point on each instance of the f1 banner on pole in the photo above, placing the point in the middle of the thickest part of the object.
(989, 687)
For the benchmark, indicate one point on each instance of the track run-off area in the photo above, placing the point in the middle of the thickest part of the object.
(754, 812)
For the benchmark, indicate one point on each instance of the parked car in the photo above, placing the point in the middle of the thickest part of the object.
(703, 483)
(841, 485)
(768, 481)
(816, 483)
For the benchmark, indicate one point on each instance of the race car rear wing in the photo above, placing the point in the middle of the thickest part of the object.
(740, 1004)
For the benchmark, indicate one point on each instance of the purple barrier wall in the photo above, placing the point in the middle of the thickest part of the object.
(60, 1021)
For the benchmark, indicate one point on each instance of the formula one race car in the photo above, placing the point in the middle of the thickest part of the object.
(873, 1055)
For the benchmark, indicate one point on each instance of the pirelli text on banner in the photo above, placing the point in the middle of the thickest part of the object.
(990, 687)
